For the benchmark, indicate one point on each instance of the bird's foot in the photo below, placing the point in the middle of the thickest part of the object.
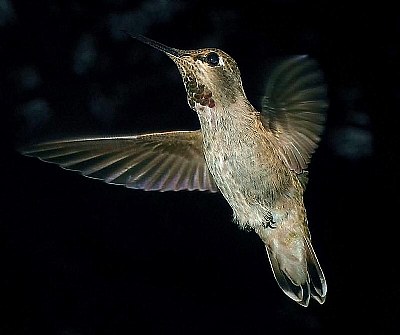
(269, 222)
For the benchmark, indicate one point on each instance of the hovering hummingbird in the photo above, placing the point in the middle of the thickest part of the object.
(257, 160)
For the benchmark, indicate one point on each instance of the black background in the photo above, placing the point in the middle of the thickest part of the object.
(82, 257)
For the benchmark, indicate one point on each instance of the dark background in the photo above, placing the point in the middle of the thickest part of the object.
(82, 257)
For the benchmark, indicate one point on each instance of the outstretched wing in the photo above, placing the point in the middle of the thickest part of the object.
(293, 109)
(169, 161)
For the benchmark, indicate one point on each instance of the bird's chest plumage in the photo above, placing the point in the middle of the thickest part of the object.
(238, 166)
(244, 165)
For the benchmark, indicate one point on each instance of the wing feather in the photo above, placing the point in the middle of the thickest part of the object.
(169, 161)
(294, 108)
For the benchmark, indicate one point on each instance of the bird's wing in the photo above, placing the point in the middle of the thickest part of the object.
(293, 109)
(168, 161)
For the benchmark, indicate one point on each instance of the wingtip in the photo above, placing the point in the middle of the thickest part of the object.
(25, 149)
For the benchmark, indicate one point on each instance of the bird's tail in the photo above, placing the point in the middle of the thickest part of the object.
(296, 269)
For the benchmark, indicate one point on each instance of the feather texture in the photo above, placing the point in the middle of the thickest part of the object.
(293, 108)
(169, 161)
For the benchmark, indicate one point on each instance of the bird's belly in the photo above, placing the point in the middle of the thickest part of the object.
(250, 186)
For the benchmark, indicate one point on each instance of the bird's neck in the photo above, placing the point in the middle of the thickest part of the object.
(231, 117)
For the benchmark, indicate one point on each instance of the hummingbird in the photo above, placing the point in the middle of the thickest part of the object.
(256, 159)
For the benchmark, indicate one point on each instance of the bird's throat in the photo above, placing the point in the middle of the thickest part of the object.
(198, 93)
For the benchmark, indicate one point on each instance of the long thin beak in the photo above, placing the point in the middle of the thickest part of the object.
(157, 45)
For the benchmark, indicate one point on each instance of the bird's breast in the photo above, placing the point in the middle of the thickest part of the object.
(245, 165)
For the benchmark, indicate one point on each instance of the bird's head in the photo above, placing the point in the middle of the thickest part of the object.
(211, 76)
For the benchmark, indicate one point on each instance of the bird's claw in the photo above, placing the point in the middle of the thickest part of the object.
(270, 223)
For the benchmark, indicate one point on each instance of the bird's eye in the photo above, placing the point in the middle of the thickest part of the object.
(212, 58)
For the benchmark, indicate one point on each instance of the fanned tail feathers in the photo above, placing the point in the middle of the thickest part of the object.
(298, 280)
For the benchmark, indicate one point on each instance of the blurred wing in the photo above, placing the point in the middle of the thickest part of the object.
(170, 161)
(293, 109)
